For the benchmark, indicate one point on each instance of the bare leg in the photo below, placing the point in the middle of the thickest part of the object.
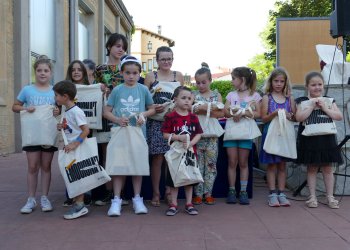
(271, 176)
(174, 193)
(311, 179)
(232, 154)
(156, 169)
(243, 155)
(137, 183)
(118, 184)
(281, 176)
(33, 159)
(327, 172)
(188, 194)
(108, 185)
(46, 159)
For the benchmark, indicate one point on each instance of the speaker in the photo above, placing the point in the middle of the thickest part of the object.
(340, 18)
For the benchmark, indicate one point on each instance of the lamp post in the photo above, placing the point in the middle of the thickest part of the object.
(149, 46)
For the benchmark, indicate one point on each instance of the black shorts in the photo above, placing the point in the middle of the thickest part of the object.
(40, 148)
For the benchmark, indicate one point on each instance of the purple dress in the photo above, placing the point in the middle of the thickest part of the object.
(264, 157)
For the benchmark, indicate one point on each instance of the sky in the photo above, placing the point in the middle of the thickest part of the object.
(223, 33)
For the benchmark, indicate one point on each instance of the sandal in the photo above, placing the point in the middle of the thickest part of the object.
(312, 202)
(155, 203)
(172, 210)
(332, 202)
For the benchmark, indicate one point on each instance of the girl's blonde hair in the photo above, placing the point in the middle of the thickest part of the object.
(277, 72)
(247, 74)
(43, 59)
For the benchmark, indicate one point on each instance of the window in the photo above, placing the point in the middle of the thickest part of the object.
(144, 66)
(150, 65)
(155, 64)
(83, 36)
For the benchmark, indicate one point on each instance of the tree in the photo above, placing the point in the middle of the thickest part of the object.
(262, 67)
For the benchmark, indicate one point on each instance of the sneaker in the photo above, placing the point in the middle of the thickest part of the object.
(231, 197)
(68, 203)
(29, 206)
(115, 208)
(209, 200)
(332, 202)
(138, 205)
(197, 200)
(75, 212)
(243, 198)
(273, 200)
(106, 200)
(189, 208)
(284, 202)
(45, 204)
(172, 210)
(312, 202)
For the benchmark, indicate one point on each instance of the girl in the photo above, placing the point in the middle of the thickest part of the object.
(179, 123)
(109, 75)
(244, 81)
(77, 73)
(276, 97)
(317, 152)
(157, 145)
(38, 157)
(207, 147)
(139, 101)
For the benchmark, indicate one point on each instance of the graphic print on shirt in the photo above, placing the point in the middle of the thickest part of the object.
(184, 129)
(131, 106)
(67, 129)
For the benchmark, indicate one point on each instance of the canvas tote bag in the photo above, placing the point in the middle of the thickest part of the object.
(80, 168)
(211, 126)
(127, 152)
(182, 164)
(161, 94)
(103, 135)
(245, 129)
(39, 127)
(318, 123)
(280, 139)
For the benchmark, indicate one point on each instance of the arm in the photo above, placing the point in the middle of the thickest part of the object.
(264, 110)
(256, 106)
(149, 79)
(107, 113)
(150, 111)
(227, 109)
(332, 112)
(74, 144)
(302, 115)
(195, 139)
(18, 107)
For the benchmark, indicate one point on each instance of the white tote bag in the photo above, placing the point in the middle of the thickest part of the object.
(162, 93)
(103, 135)
(127, 152)
(80, 168)
(182, 164)
(39, 127)
(318, 123)
(89, 99)
(280, 139)
(211, 126)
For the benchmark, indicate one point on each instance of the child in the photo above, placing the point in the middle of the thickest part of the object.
(109, 75)
(39, 157)
(317, 152)
(276, 97)
(157, 145)
(76, 129)
(140, 102)
(76, 73)
(90, 67)
(244, 81)
(179, 123)
(207, 148)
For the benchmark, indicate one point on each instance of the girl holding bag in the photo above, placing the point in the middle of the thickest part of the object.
(129, 104)
(244, 81)
(277, 96)
(177, 126)
(39, 157)
(318, 151)
(207, 147)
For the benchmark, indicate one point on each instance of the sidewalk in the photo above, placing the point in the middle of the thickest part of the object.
(221, 226)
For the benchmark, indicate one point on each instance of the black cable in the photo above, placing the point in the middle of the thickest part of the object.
(330, 72)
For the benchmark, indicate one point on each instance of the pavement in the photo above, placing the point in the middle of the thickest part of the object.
(220, 226)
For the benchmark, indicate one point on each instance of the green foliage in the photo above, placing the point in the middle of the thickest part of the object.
(291, 8)
(262, 67)
(224, 87)
(348, 57)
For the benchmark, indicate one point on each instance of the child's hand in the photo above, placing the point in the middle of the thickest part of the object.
(159, 108)
(71, 146)
(321, 104)
(30, 109)
(123, 121)
(56, 111)
(59, 126)
(182, 138)
(189, 145)
(140, 119)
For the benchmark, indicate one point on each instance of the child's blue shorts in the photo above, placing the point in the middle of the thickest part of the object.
(247, 144)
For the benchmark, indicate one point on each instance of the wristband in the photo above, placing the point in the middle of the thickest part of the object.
(79, 139)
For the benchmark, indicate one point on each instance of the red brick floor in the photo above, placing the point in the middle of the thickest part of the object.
(221, 226)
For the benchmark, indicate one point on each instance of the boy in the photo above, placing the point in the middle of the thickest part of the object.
(76, 129)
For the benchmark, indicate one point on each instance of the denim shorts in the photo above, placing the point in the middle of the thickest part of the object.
(247, 144)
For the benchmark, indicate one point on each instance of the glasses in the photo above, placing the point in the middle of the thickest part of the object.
(164, 60)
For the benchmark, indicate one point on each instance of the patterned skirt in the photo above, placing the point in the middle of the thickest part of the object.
(155, 140)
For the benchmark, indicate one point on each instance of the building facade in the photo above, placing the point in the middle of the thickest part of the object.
(64, 30)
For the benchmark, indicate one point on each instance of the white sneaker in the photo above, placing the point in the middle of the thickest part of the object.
(138, 206)
(115, 208)
(45, 204)
(29, 206)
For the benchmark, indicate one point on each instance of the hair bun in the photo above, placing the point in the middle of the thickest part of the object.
(43, 57)
(205, 65)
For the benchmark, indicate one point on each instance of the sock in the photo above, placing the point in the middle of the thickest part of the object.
(232, 189)
(273, 191)
(244, 186)
(80, 203)
(116, 197)
(137, 196)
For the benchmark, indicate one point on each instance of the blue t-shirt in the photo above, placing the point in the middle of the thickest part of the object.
(127, 101)
(32, 96)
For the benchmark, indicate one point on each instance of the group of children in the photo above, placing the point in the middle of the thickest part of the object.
(120, 81)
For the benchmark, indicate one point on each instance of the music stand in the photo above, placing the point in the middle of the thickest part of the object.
(340, 145)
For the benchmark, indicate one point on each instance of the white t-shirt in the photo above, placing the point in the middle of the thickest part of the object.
(74, 118)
